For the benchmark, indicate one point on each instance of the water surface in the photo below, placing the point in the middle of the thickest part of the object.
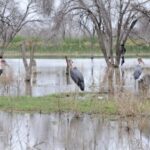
(51, 77)
(66, 132)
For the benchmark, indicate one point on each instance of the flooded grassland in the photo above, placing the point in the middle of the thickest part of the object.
(51, 113)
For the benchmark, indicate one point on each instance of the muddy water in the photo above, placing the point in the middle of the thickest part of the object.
(51, 77)
(66, 132)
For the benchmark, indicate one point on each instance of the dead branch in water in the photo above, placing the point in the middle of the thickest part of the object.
(28, 66)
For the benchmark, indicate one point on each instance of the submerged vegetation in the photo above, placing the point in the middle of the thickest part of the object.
(87, 103)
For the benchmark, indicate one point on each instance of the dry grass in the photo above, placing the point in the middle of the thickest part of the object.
(129, 104)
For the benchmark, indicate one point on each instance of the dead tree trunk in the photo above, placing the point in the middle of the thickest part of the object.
(28, 66)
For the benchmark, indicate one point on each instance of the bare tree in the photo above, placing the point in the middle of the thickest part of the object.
(87, 29)
(144, 9)
(143, 30)
(38, 7)
(45, 6)
(13, 18)
(113, 21)
(140, 36)
(55, 20)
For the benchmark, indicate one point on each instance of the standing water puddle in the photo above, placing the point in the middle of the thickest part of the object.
(65, 132)
(51, 77)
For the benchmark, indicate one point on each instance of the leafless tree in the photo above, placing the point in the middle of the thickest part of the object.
(143, 29)
(88, 30)
(45, 6)
(13, 18)
(112, 20)
(143, 8)
(140, 36)
(55, 18)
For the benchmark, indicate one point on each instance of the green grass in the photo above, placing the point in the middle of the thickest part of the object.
(57, 103)
(68, 45)
(71, 47)
(87, 103)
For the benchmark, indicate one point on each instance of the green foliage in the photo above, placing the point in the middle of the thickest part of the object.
(70, 102)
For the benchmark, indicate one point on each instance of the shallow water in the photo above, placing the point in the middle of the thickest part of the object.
(51, 77)
(66, 132)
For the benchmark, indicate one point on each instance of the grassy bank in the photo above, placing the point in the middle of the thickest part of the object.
(71, 47)
(14, 54)
(70, 103)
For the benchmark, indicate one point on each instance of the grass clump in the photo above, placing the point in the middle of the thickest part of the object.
(57, 103)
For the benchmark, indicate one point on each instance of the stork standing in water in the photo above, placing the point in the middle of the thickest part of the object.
(138, 70)
(76, 75)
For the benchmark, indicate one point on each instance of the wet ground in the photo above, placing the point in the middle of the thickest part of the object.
(66, 132)
(51, 77)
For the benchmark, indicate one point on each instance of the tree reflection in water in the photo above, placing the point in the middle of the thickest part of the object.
(64, 131)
